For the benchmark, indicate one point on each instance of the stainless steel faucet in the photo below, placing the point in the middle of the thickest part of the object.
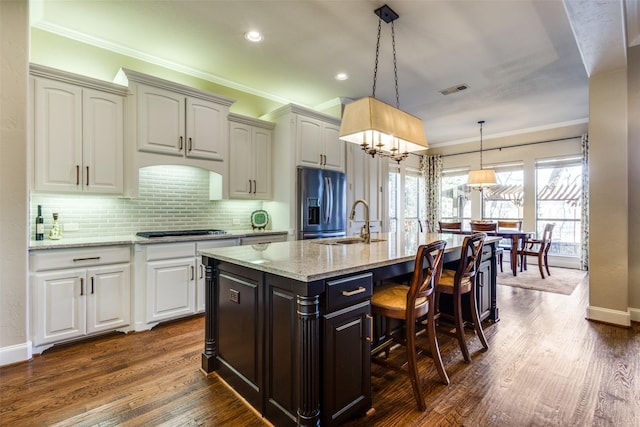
(364, 232)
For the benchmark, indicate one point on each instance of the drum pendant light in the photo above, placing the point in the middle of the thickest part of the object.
(376, 126)
(481, 178)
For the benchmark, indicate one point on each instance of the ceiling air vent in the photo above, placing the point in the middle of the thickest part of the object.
(454, 89)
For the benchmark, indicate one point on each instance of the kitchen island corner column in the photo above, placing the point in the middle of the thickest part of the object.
(308, 314)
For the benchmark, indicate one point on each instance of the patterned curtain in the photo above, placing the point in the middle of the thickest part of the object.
(584, 258)
(431, 169)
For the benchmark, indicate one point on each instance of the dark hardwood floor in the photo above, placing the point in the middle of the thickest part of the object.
(546, 366)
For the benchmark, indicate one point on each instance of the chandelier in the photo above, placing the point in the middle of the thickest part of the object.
(380, 128)
(481, 178)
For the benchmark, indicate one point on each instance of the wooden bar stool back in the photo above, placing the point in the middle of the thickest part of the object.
(463, 281)
(410, 304)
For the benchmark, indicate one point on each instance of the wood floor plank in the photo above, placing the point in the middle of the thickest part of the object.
(546, 366)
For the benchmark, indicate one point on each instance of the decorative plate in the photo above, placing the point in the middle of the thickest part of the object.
(259, 219)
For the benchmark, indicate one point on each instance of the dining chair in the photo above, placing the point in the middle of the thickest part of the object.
(411, 303)
(484, 227)
(504, 224)
(538, 248)
(463, 281)
(449, 226)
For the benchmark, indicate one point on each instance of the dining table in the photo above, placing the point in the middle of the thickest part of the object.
(516, 237)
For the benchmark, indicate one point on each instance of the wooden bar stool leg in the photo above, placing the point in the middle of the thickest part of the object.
(413, 365)
(435, 349)
(477, 325)
(457, 314)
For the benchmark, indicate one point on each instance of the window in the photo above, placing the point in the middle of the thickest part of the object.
(407, 206)
(505, 200)
(455, 204)
(559, 201)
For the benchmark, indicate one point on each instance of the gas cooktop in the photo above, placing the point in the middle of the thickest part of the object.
(171, 233)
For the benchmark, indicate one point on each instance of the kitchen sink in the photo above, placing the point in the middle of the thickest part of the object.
(348, 241)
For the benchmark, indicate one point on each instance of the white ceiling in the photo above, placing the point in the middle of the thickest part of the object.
(519, 57)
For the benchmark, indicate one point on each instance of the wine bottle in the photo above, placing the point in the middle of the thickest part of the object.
(39, 224)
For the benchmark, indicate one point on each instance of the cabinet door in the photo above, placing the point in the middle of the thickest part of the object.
(242, 161)
(102, 142)
(332, 148)
(58, 306)
(170, 288)
(207, 136)
(108, 297)
(309, 142)
(483, 290)
(262, 188)
(161, 121)
(57, 136)
(347, 364)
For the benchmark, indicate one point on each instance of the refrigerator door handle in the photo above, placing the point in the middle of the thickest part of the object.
(326, 200)
(330, 215)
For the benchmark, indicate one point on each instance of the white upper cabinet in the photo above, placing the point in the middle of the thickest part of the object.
(77, 133)
(178, 125)
(250, 168)
(318, 144)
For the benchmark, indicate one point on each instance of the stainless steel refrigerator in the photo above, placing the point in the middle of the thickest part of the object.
(322, 200)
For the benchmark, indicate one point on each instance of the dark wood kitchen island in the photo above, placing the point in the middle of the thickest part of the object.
(288, 325)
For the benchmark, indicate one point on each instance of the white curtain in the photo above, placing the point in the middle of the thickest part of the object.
(431, 169)
(584, 257)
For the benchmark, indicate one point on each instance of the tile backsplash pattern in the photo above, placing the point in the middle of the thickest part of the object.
(170, 198)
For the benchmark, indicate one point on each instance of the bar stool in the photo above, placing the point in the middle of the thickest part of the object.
(463, 281)
(411, 303)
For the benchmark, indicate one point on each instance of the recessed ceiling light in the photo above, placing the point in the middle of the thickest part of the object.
(253, 36)
(341, 76)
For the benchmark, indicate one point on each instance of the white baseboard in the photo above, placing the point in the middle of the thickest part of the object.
(15, 353)
(635, 314)
(614, 317)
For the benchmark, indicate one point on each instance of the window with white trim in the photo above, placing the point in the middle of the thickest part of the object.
(455, 203)
(559, 201)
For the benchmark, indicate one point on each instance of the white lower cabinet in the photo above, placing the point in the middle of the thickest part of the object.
(174, 280)
(79, 292)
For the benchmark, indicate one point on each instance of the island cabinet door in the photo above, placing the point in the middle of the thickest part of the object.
(347, 363)
(483, 290)
(240, 331)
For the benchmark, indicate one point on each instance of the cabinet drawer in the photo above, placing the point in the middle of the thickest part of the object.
(170, 250)
(217, 243)
(348, 291)
(68, 258)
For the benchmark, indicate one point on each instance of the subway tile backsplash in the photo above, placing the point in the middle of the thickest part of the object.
(170, 198)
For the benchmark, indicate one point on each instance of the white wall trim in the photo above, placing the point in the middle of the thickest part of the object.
(614, 317)
(635, 314)
(16, 353)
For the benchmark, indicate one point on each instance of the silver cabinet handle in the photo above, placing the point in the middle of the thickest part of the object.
(201, 271)
(77, 174)
(354, 292)
(92, 286)
(254, 186)
(370, 334)
(193, 272)
(180, 144)
(81, 286)
(87, 176)
(91, 258)
(190, 144)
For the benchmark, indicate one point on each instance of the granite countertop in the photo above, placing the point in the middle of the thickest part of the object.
(83, 242)
(309, 260)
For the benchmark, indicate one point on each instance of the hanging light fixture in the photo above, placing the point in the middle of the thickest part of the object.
(481, 178)
(376, 126)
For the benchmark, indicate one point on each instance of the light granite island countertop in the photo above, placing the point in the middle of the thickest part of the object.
(288, 325)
